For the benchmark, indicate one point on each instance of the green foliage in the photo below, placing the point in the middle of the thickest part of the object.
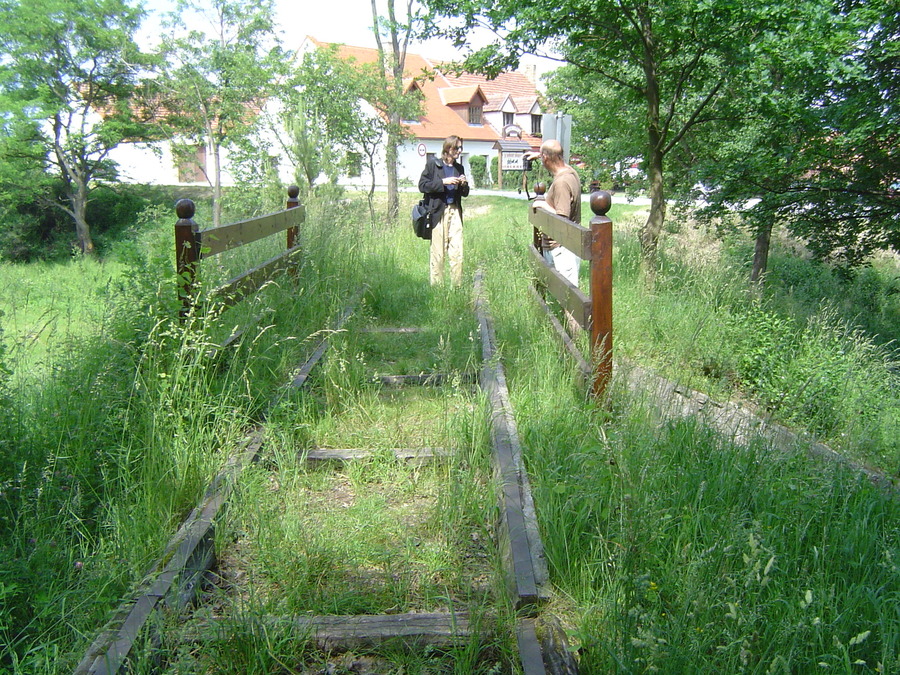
(69, 81)
(219, 75)
(814, 155)
(35, 230)
(478, 168)
(672, 548)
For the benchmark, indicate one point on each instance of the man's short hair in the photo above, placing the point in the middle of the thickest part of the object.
(552, 150)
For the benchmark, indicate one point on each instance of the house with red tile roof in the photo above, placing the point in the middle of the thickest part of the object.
(493, 117)
(496, 118)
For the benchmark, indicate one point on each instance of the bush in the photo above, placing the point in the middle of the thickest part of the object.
(37, 230)
(478, 169)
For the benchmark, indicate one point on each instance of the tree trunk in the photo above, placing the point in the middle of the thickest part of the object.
(761, 254)
(393, 192)
(653, 227)
(79, 208)
(217, 184)
(654, 161)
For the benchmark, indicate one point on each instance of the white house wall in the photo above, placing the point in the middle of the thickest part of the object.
(155, 164)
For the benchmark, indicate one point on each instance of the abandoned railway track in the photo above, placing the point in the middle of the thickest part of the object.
(460, 585)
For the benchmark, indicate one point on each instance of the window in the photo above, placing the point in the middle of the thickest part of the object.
(475, 114)
(536, 125)
(354, 164)
(191, 164)
(508, 118)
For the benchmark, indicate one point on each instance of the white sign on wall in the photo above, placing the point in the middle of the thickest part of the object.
(513, 161)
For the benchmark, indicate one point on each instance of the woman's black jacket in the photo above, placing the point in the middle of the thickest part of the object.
(431, 184)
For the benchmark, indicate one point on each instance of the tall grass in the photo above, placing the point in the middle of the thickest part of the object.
(672, 549)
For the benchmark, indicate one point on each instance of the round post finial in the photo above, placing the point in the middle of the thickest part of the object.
(184, 209)
(540, 189)
(601, 201)
(293, 191)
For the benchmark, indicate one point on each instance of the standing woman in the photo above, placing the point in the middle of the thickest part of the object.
(444, 185)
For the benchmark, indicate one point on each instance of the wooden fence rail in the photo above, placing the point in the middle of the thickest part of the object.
(192, 245)
(592, 311)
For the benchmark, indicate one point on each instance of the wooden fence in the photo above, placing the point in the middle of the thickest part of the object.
(193, 245)
(591, 311)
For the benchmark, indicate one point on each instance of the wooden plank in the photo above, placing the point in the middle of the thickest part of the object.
(584, 368)
(529, 648)
(391, 329)
(174, 577)
(567, 233)
(558, 658)
(520, 540)
(236, 289)
(423, 455)
(303, 373)
(427, 379)
(570, 297)
(346, 633)
(216, 240)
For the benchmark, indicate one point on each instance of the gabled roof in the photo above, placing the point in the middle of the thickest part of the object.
(462, 95)
(441, 90)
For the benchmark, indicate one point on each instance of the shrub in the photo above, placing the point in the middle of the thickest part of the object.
(478, 169)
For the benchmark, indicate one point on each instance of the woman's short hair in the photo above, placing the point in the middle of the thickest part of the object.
(450, 143)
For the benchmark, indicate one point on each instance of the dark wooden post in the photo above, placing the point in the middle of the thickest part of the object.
(539, 190)
(187, 252)
(601, 291)
(292, 203)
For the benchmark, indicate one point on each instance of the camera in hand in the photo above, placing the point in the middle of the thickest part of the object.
(526, 162)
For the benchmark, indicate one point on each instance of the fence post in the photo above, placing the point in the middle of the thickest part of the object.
(601, 291)
(539, 190)
(292, 203)
(187, 252)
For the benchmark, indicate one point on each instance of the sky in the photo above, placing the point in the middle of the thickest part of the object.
(344, 21)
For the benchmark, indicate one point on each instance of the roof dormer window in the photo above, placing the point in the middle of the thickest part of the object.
(475, 114)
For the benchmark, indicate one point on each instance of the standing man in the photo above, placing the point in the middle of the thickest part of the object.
(564, 199)
(444, 184)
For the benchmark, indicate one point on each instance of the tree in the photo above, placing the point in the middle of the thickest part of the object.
(391, 71)
(673, 66)
(338, 114)
(69, 73)
(217, 82)
(819, 154)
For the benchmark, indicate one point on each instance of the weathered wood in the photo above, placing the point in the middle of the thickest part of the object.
(520, 540)
(558, 658)
(192, 245)
(569, 296)
(346, 633)
(236, 289)
(413, 455)
(427, 379)
(217, 240)
(174, 578)
(739, 425)
(529, 648)
(585, 372)
(293, 202)
(390, 329)
(601, 292)
(565, 232)
(303, 373)
(187, 252)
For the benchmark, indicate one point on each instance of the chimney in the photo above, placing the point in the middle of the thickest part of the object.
(529, 70)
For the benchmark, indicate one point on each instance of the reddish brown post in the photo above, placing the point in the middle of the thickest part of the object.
(539, 190)
(187, 252)
(601, 291)
(292, 203)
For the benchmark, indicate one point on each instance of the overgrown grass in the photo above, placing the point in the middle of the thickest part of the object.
(672, 549)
